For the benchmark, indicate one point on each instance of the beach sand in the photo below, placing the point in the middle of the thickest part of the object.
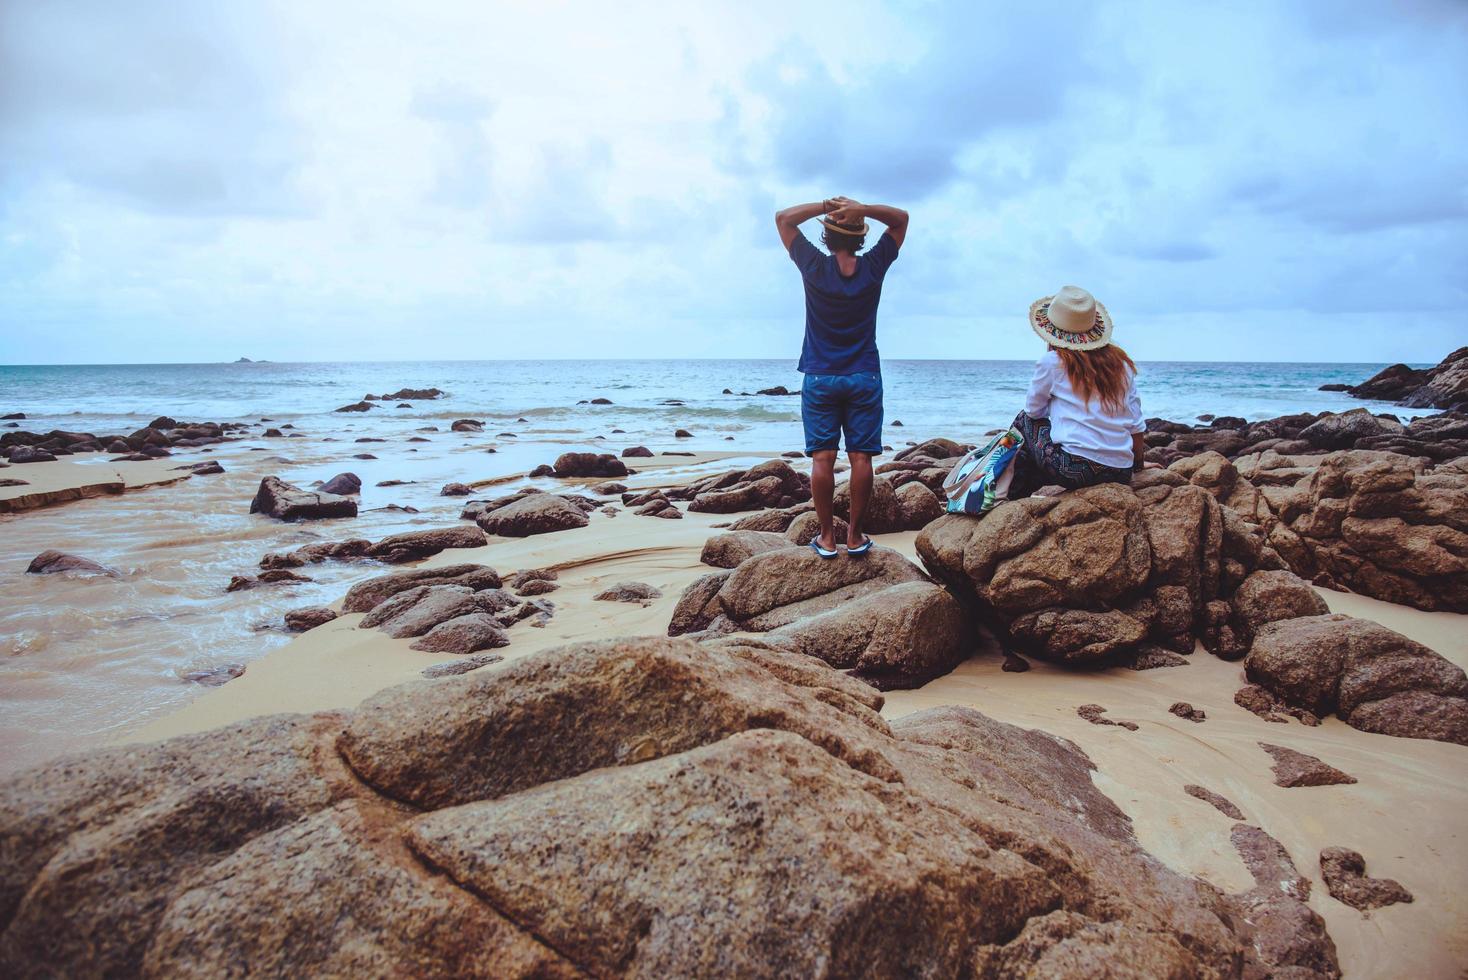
(1404, 816)
(79, 477)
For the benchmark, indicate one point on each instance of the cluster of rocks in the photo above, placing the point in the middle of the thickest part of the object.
(154, 441)
(416, 394)
(651, 503)
(478, 825)
(1443, 386)
(878, 617)
(773, 483)
(530, 511)
(1438, 437)
(777, 390)
(1379, 523)
(395, 549)
(460, 609)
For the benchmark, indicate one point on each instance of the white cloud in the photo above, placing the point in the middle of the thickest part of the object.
(332, 181)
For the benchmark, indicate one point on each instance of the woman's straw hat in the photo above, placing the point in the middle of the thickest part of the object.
(858, 231)
(1071, 319)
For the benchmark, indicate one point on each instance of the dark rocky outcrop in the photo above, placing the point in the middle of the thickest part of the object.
(421, 609)
(343, 485)
(361, 406)
(238, 583)
(1345, 877)
(1282, 928)
(1094, 714)
(538, 586)
(910, 508)
(319, 551)
(278, 499)
(636, 452)
(1443, 386)
(1220, 803)
(416, 394)
(1293, 769)
(1371, 677)
(595, 465)
(454, 490)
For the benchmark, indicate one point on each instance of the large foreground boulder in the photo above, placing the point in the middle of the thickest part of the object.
(765, 798)
(282, 501)
(1373, 678)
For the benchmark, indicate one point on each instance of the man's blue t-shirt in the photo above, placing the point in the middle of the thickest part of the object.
(841, 311)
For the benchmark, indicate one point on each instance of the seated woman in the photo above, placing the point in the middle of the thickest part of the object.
(1082, 419)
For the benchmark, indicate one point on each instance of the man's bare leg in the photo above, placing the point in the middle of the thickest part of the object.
(861, 495)
(822, 490)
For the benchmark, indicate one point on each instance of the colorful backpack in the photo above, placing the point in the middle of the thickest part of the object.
(980, 481)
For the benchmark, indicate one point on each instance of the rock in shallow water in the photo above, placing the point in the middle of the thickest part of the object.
(54, 562)
(284, 502)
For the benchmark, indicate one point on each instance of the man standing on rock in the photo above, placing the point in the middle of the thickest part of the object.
(843, 373)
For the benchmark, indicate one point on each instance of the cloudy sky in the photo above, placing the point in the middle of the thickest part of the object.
(354, 181)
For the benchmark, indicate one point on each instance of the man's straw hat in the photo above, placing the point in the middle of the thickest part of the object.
(858, 230)
(1071, 319)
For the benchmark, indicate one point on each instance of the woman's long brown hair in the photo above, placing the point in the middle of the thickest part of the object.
(1104, 373)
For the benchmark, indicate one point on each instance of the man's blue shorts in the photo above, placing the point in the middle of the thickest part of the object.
(833, 403)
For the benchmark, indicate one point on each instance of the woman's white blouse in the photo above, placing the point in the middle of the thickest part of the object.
(1082, 429)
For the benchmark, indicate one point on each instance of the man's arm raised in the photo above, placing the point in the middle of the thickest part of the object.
(789, 220)
(850, 212)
